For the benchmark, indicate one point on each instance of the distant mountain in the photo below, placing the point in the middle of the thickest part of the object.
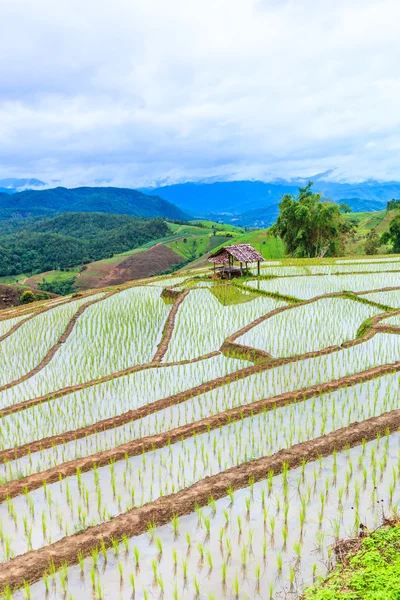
(12, 185)
(255, 203)
(32, 203)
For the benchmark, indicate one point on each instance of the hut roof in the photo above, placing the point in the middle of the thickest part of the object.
(241, 252)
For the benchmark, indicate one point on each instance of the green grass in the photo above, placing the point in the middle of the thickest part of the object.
(58, 276)
(193, 247)
(373, 573)
(268, 246)
(13, 278)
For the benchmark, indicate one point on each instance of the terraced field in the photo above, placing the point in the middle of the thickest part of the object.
(185, 438)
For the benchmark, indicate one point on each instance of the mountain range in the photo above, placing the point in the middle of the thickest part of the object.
(48, 202)
(255, 203)
(245, 203)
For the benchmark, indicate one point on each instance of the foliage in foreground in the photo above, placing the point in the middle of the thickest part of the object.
(373, 573)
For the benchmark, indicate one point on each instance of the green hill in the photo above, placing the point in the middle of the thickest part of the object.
(365, 222)
(71, 239)
(49, 202)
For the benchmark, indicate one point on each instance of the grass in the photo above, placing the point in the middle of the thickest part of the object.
(269, 246)
(372, 573)
(13, 278)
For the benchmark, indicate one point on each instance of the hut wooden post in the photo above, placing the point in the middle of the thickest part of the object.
(241, 253)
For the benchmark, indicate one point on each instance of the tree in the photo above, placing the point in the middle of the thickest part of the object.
(393, 235)
(27, 297)
(309, 226)
(372, 243)
(345, 208)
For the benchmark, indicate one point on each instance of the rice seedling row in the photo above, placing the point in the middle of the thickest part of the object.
(269, 539)
(203, 323)
(42, 422)
(90, 498)
(8, 324)
(327, 322)
(132, 453)
(164, 510)
(390, 298)
(311, 286)
(117, 333)
(36, 337)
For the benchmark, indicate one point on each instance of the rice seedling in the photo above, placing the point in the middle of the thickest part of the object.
(277, 523)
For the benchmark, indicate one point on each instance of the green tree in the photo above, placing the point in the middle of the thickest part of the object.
(310, 226)
(27, 296)
(393, 235)
(345, 208)
(372, 242)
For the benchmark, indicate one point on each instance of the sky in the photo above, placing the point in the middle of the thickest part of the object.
(150, 92)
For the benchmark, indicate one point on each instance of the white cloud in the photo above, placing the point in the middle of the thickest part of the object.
(140, 91)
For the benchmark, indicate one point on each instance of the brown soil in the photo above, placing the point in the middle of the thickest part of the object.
(31, 565)
(346, 548)
(34, 281)
(169, 327)
(150, 262)
(10, 295)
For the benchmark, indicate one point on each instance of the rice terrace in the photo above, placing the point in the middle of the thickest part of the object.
(188, 436)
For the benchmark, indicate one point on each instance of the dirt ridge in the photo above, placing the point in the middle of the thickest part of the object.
(169, 328)
(149, 443)
(29, 567)
(147, 409)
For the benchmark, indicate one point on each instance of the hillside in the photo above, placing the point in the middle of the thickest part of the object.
(132, 248)
(86, 199)
(71, 239)
(365, 222)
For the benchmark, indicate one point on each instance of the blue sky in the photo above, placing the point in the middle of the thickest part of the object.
(142, 92)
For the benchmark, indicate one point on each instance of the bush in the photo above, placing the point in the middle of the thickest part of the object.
(27, 296)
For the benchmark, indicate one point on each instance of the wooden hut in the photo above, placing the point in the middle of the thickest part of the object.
(224, 260)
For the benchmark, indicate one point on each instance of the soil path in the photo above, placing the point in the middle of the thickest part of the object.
(30, 566)
(169, 328)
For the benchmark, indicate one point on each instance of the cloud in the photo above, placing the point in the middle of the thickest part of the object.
(137, 92)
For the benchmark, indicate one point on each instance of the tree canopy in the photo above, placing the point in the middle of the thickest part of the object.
(309, 226)
(393, 235)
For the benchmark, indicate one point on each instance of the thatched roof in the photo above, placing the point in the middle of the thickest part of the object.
(241, 252)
